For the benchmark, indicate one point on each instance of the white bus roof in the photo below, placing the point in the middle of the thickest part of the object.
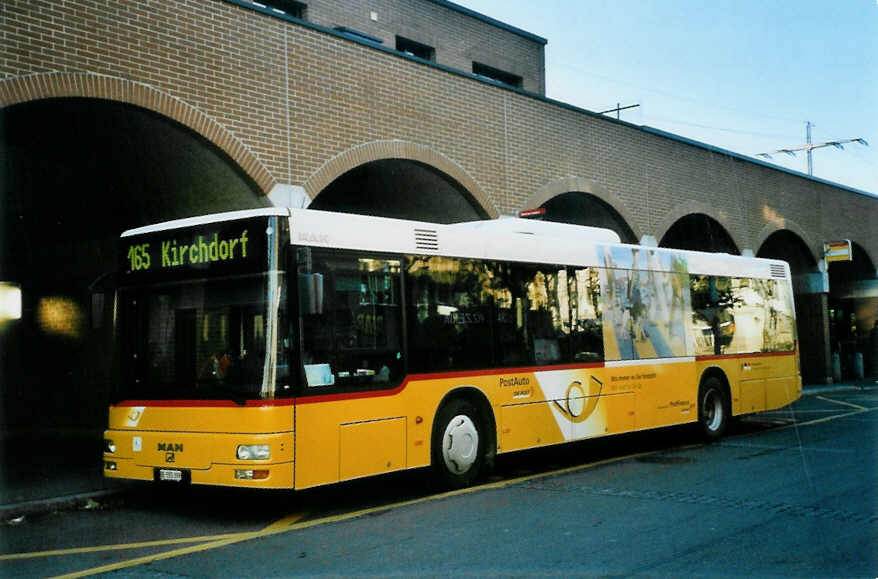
(543, 229)
(509, 239)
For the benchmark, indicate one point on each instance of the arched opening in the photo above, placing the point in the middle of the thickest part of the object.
(853, 314)
(810, 300)
(699, 232)
(78, 172)
(400, 188)
(587, 209)
(786, 245)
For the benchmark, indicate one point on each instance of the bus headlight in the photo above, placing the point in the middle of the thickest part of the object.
(254, 452)
(109, 446)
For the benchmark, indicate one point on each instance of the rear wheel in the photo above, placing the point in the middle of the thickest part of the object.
(458, 452)
(713, 408)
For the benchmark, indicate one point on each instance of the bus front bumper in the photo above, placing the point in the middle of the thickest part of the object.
(198, 458)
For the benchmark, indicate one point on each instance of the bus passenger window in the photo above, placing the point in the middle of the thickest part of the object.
(586, 331)
(355, 337)
(780, 331)
(545, 315)
(763, 317)
(713, 316)
(450, 313)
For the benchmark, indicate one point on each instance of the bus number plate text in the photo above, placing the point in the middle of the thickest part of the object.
(166, 474)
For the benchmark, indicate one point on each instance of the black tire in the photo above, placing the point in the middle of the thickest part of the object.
(458, 444)
(714, 409)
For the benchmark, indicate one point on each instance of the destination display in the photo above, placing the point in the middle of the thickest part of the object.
(230, 247)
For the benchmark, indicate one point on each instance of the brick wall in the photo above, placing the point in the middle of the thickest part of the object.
(288, 99)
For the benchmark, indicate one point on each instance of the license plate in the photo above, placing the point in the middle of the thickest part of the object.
(167, 474)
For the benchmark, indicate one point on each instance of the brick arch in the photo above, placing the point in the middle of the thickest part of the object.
(574, 184)
(50, 85)
(397, 149)
(693, 207)
(816, 250)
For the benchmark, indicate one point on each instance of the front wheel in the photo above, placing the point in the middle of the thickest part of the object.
(713, 409)
(458, 452)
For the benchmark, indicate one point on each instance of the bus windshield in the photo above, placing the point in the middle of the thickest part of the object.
(203, 339)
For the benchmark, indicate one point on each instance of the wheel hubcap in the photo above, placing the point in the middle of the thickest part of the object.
(460, 444)
(712, 410)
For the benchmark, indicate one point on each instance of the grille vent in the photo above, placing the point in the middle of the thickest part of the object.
(427, 239)
(778, 271)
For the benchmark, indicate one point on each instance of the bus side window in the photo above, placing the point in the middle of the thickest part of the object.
(355, 337)
(781, 328)
(586, 331)
(713, 318)
(545, 327)
(763, 316)
(450, 313)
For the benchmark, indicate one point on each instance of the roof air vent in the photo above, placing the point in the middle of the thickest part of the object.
(427, 239)
(778, 271)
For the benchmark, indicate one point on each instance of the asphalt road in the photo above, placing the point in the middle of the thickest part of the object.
(788, 493)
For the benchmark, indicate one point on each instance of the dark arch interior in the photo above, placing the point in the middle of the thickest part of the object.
(400, 188)
(699, 232)
(587, 209)
(853, 313)
(844, 274)
(789, 247)
(77, 172)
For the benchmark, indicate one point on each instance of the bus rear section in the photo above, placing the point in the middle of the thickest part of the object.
(202, 394)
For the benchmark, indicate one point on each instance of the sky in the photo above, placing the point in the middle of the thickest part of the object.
(742, 75)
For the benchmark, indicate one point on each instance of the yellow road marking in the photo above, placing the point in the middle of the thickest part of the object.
(842, 402)
(120, 547)
(280, 526)
(830, 418)
(159, 557)
(274, 527)
(786, 413)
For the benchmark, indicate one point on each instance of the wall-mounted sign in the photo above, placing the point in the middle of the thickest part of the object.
(838, 251)
(538, 212)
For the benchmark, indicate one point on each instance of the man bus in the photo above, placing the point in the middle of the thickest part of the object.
(278, 348)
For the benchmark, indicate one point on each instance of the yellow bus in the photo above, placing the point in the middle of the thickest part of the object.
(278, 348)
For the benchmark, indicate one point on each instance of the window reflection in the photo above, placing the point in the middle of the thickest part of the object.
(740, 315)
(646, 304)
(452, 303)
(355, 337)
(587, 341)
(198, 340)
(468, 314)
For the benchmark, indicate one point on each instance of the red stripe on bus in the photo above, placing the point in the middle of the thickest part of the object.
(205, 403)
(438, 376)
(751, 355)
(350, 395)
